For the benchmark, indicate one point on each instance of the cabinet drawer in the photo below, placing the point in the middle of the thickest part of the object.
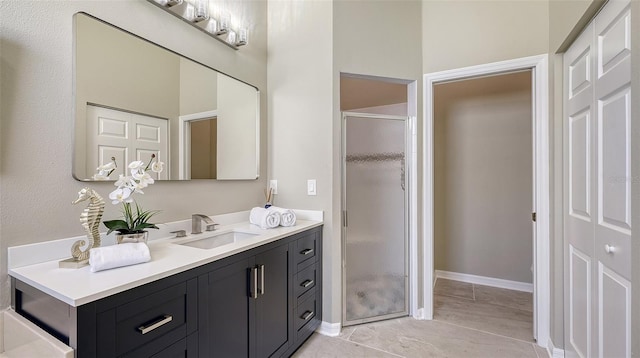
(305, 249)
(147, 318)
(306, 310)
(305, 280)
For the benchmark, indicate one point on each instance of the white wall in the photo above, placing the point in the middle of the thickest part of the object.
(36, 72)
(483, 177)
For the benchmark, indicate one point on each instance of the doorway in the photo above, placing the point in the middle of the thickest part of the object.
(540, 140)
(483, 200)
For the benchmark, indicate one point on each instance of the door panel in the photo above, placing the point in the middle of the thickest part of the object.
(272, 306)
(375, 202)
(614, 314)
(599, 249)
(580, 302)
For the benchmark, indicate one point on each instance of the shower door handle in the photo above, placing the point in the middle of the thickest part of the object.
(402, 174)
(345, 221)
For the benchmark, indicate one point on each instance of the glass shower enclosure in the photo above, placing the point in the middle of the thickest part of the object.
(375, 220)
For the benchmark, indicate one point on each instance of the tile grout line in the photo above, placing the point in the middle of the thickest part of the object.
(479, 330)
(348, 339)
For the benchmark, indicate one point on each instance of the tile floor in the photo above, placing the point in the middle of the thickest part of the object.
(469, 321)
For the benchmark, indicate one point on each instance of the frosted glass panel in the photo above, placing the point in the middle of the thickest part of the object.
(375, 244)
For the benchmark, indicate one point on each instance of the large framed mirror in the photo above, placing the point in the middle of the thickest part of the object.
(135, 99)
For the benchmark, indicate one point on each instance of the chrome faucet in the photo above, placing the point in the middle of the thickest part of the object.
(196, 223)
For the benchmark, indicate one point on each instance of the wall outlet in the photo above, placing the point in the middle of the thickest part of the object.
(311, 187)
(273, 185)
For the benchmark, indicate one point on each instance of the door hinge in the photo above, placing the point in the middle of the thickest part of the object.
(534, 217)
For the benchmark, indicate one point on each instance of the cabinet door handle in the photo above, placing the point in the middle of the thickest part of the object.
(262, 287)
(307, 315)
(156, 324)
(307, 283)
(254, 288)
(306, 251)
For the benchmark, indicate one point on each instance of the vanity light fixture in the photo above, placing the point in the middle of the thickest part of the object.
(198, 14)
(201, 10)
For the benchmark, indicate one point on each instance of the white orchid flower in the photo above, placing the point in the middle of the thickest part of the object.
(122, 181)
(136, 165)
(121, 195)
(137, 186)
(107, 167)
(100, 176)
(157, 167)
(144, 178)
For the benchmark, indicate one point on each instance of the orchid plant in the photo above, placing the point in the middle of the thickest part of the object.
(135, 220)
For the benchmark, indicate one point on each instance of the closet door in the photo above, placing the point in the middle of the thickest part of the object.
(598, 210)
(579, 74)
(613, 180)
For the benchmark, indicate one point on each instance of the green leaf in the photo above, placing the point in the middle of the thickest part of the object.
(115, 225)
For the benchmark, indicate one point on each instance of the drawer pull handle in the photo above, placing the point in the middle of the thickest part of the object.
(306, 251)
(305, 316)
(307, 283)
(161, 322)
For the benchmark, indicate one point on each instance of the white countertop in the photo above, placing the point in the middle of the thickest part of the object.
(79, 286)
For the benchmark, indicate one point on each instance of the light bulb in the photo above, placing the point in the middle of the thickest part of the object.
(223, 24)
(201, 10)
(243, 37)
(231, 37)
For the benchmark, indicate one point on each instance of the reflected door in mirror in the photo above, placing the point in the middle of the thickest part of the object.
(126, 137)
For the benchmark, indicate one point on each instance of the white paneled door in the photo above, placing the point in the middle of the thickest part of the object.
(125, 136)
(597, 71)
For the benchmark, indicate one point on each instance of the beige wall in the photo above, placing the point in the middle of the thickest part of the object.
(37, 117)
(306, 56)
(464, 33)
(358, 93)
(300, 112)
(483, 177)
(365, 45)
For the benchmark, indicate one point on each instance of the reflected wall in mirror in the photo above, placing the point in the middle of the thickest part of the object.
(134, 98)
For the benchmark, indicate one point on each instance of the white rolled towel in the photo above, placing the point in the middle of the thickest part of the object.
(287, 216)
(108, 257)
(264, 218)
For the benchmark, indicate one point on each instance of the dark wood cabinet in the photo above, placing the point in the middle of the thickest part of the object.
(263, 302)
(246, 305)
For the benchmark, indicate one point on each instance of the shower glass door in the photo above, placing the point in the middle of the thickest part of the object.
(375, 218)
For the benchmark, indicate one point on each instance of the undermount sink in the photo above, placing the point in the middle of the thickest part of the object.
(216, 240)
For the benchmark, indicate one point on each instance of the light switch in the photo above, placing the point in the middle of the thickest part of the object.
(311, 187)
(273, 185)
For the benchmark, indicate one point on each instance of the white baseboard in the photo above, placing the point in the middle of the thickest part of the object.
(553, 351)
(486, 281)
(329, 329)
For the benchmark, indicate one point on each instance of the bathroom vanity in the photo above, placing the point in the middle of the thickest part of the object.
(257, 299)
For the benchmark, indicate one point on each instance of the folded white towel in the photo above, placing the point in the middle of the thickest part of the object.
(287, 216)
(264, 218)
(108, 257)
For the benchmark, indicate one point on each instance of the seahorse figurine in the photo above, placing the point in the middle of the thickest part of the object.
(90, 219)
